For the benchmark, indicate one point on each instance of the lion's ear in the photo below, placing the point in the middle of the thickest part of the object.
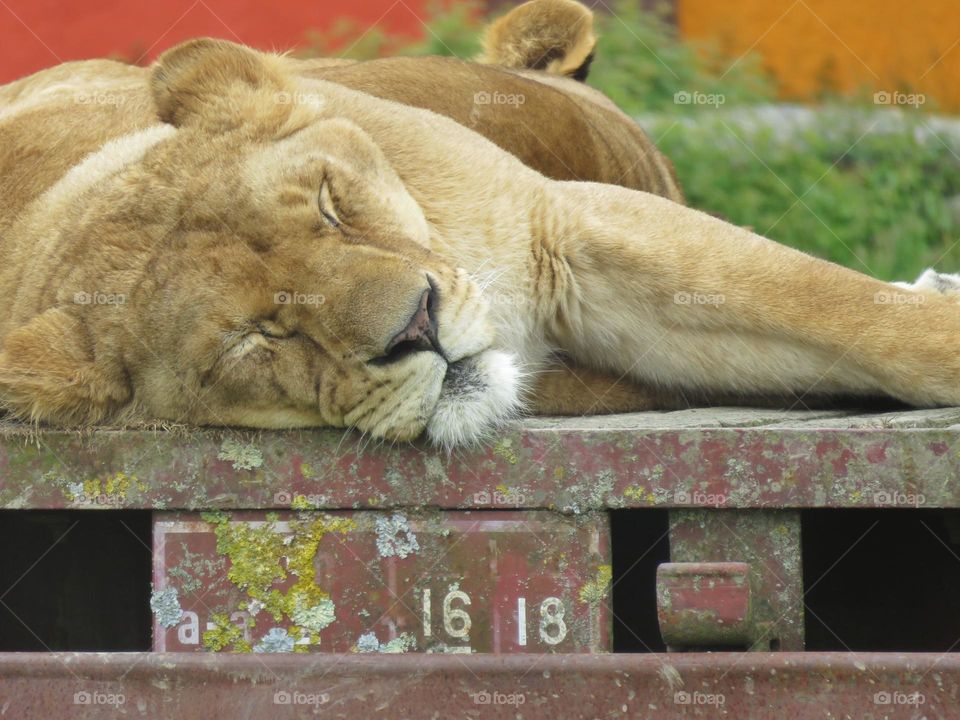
(48, 373)
(555, 36)
(219, 85)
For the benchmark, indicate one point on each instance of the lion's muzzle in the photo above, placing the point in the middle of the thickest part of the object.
(420, 334)
(479, 393)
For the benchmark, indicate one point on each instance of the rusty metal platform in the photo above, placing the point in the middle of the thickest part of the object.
(191, 686)
(720, 457)
(399, 569)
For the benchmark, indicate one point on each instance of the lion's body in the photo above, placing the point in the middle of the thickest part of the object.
(554, 125)
(223, 181)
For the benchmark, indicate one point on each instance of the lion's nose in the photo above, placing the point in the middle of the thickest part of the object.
(420, 333)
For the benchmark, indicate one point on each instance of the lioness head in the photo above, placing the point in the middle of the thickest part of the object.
(275, 273)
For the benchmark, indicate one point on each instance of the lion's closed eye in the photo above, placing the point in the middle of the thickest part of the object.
(272, 330)
(264, 334)
(328, 207)
(247, 344)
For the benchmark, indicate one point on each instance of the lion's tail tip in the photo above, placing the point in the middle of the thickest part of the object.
(556, 36)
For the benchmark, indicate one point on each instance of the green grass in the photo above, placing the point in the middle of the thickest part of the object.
(884, 203)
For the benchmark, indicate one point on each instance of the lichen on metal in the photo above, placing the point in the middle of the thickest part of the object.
(591, 593)
(475, 581)
(315, 618)
(276, 640)
(368, 642)
(784, 460)
(769, 542)
(261, 559)
(195, 571)
(112, 489)
(394, 537)
(504, 448)
(165, 604)
(241, 456)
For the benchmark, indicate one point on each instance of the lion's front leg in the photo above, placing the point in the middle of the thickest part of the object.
(675, 298)
(564, 388)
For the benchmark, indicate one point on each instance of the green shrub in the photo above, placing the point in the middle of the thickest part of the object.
(882, 202)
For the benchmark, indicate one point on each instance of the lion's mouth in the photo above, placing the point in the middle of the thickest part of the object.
(479, 393)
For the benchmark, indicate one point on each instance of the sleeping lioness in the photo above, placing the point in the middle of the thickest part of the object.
(228, 238)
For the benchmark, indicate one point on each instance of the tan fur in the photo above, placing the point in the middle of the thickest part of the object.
(562, 128)
(555, 36)
(199, 226)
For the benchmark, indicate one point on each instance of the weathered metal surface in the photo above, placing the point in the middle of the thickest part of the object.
(705, 604)
(197, 686)
(453, 582)
(689, 459)
(769, 544)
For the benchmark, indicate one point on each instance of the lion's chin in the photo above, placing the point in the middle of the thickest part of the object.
(478, 394)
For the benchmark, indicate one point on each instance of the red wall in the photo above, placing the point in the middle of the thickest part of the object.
(35, 34)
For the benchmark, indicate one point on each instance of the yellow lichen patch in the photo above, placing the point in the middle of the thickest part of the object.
(111, 487)
(306, 469)
(301, 502)
(118, 484)
(263, 560)
(504, 449)
(508, 492)
(639, 494)
(594, 591)
(224, 634)
(91, 488)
